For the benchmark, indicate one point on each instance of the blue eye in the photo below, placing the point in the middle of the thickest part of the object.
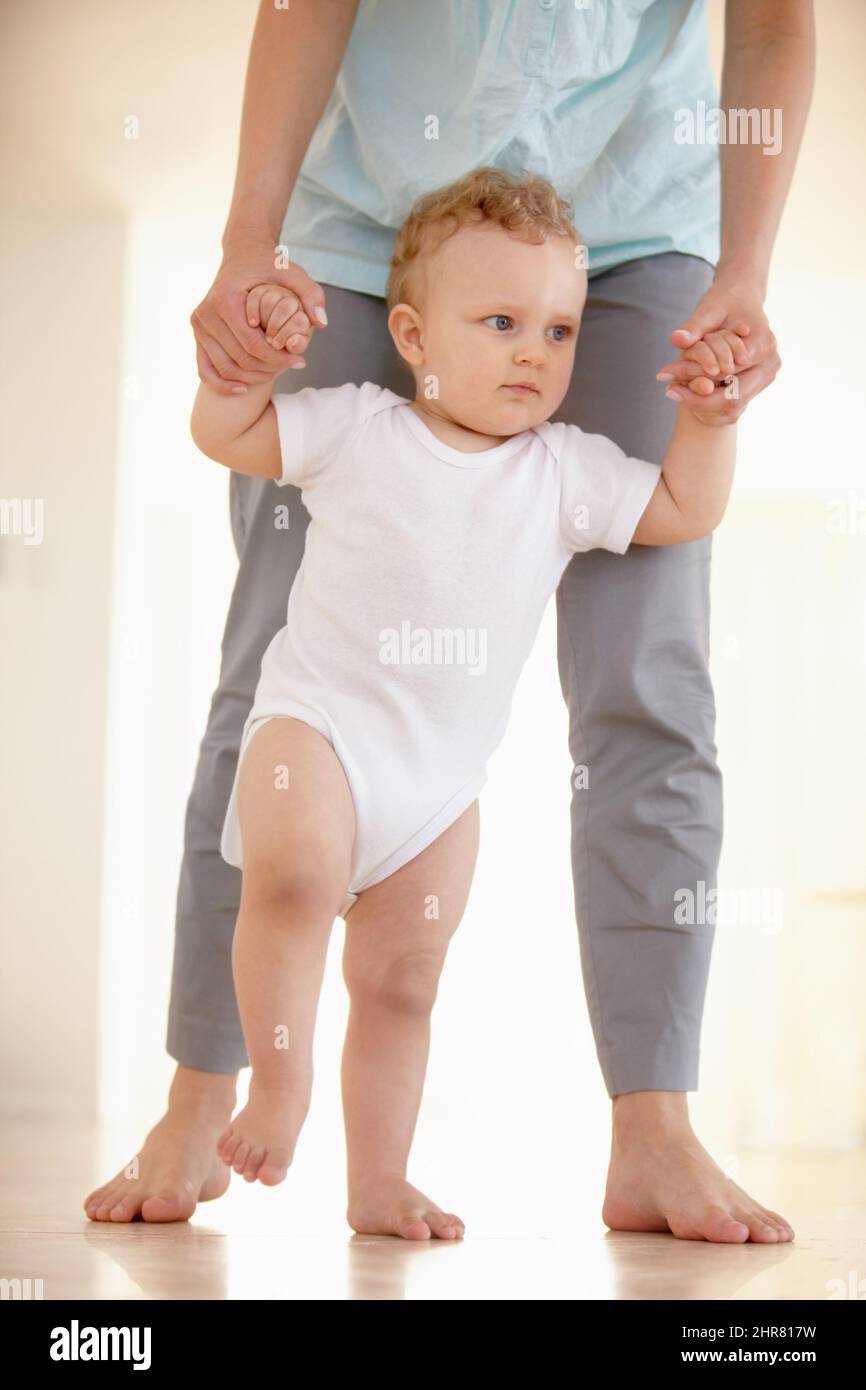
(503, 321)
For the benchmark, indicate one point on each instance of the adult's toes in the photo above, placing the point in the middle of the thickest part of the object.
(786, 1225)
(93, 1200)
(102, 1211)
(773, 1217)
(761, 1229)
(125, 1209)
(167, 1206)
(723, 1227)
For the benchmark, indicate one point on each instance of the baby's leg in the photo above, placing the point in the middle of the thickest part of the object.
(297, 824)
(397, 936)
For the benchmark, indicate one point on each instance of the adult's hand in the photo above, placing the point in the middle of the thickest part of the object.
(727, 337)
(231, 351)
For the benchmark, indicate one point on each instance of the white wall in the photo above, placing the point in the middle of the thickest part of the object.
(60, 348)
(173, 571)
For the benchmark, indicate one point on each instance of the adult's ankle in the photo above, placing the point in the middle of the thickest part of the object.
(191, 1088)
(644, 1111)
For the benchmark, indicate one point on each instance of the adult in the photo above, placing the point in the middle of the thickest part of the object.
(351, 110)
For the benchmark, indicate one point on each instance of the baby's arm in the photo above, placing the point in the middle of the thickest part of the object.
(695, 483)
(238, 431)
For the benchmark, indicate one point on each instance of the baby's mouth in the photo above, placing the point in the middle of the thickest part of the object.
(523, 388)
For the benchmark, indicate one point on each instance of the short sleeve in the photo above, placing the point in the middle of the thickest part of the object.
(314, 422)
(603, 491)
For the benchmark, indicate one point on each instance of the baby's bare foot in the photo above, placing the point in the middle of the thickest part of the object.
(388, 1205)
(670, 1183)
(260, 1141)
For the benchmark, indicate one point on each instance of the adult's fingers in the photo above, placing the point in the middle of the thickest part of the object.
(683, 372)
(222, 317)
(709, 315)
(761, 346)
(217, 369)
(208, 372)
(244, 354)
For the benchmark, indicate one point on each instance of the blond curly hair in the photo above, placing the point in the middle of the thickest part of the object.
(525, 204)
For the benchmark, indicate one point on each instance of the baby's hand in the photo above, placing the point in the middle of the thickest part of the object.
(716, 355)
(712, 362)
(280, 314)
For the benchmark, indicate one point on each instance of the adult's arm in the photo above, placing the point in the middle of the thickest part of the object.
(294, 59)
(769, 64)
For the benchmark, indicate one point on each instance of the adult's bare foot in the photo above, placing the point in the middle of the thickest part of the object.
(661, 1178)
(178, 1165)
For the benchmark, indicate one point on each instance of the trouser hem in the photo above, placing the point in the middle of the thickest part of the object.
(203, 1045)
(651, 1066)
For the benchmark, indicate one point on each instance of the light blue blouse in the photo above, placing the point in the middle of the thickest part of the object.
(584, 92)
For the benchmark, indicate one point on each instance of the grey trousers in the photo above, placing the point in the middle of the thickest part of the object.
(633, 648)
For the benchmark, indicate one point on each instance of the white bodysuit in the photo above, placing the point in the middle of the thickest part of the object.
(425, 575)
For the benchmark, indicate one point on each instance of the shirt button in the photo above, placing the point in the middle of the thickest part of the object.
(547, 4)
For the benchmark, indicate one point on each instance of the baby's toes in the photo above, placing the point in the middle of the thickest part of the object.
(445, 1224)
(253, 1164)
(414, 1227)
(227, 1145)
(274, 1167)
(241, 1154)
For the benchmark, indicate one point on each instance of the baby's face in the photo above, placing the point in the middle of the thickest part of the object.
(497, 312)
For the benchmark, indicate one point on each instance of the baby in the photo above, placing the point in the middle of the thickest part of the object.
(440, 527)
